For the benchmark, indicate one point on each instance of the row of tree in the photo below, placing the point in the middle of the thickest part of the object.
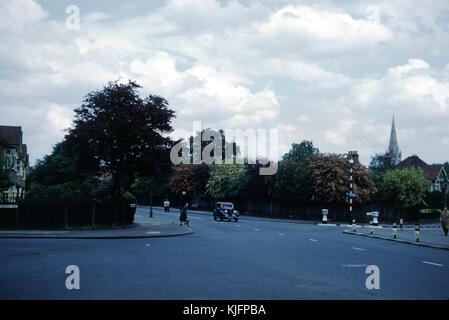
(305, 176)
(119, 146)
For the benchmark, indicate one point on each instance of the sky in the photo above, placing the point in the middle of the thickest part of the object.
(327, 71)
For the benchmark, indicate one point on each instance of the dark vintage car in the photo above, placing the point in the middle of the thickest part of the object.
(225, 210)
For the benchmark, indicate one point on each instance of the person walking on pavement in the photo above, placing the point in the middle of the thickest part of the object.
(167, 206)
(444, 218)
(183, 216)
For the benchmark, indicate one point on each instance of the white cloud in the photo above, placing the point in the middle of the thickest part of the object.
(306, 73)
(17, 14)
(224, 102)
(331, 29)
(59, 116)
(340, 134)
(413, 64)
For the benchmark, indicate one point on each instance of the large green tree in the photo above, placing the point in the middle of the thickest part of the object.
(404, 188)
(293, 183)
(227, 181)
(119, 134)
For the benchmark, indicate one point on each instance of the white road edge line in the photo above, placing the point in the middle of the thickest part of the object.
(313, 240)
(358, 249)
(433, 263)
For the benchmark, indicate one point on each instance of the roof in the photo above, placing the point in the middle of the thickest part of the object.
(431, 171)
(12, 135)
(412, 162)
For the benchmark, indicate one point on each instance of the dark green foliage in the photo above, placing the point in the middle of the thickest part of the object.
(292, 183)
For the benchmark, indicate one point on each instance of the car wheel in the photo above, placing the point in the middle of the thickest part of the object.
(236, 219)
(221, 219)
(215, 217)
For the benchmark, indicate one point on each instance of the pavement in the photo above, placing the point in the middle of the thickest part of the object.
(250, 259)
(428, 237)
(143, 227)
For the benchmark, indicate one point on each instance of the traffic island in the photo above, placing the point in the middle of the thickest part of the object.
(432, 238)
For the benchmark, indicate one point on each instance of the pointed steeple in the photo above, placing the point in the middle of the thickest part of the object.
(393, 147)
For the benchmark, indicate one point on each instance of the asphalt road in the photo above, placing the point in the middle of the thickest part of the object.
(224, 260)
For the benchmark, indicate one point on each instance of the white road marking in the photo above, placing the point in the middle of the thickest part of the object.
(147, 245)
(353, 265)
(433, 263)
(237, 225)
(313, 240)
(281, 234)
(358, 249)
(153, 232)
(256, 230)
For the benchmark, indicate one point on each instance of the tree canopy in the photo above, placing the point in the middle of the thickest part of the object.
(119, 134)
(227, 181)
(406, 188)
(330, 179)
(293, 183)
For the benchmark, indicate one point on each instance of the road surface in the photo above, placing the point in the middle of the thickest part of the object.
(250, 259)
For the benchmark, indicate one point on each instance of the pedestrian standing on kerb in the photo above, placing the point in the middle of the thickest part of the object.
(167, 206)
(444, 218)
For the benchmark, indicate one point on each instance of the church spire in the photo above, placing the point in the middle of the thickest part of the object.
(393, 147)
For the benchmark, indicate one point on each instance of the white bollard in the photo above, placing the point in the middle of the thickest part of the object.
(371, 228)
(353, 225)
(324, 212)
(375, 215)
(395, 230)
(417, 232)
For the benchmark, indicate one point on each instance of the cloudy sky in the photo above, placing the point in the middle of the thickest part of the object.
(330, 72)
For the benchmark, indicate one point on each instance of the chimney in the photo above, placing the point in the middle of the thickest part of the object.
(353, 155)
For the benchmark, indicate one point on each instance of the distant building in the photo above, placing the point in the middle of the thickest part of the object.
(435, 173)
(393, 152)
(15, 155)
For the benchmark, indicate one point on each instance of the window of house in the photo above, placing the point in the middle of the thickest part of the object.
(11, 159)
